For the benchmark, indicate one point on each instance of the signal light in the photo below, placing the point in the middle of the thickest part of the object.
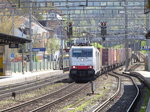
(74, 67)
(103, 24)
(90, 67)
(103, 30)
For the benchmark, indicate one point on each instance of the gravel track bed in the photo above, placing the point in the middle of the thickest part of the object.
(140, 67)
(50, 98)
(26, 96)
(85, 100)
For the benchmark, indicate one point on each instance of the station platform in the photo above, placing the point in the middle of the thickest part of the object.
(143, 76)
(16, 78)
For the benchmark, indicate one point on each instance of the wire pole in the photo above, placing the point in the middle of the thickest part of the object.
(61, 60)
(30, 35)
(126, 32)
(68, 20)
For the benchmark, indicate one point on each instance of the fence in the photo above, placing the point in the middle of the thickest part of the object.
(38, 66)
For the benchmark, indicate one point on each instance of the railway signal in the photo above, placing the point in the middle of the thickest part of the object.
(103, 26)
(92, 87)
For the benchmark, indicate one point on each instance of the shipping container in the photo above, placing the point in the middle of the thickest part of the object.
(118, 56)
(104, 56)
(112, 56)
(122, 55)
(115, 57)
(100, 50)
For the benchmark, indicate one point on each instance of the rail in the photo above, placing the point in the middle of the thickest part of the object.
(100, 107)
(131, 107)
(44, 107)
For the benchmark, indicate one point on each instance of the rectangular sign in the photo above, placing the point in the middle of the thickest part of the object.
(38, 49)
(147, 48)
(12, 45)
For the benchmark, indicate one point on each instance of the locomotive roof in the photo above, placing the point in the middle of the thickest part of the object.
(83, 47)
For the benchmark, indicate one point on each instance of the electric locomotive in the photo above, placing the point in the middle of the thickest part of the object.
(84, 63)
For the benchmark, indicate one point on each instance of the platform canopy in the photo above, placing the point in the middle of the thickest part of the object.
(6, 39)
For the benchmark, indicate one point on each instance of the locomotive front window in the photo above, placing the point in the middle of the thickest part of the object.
(82, 53)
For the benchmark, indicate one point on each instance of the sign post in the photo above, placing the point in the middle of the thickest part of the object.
(92, 87)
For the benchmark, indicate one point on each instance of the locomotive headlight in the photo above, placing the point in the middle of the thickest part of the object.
(73, 66)
(90, 66)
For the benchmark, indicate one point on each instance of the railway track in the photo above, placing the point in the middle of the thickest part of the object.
(41, 103)
(133, 93)
(106, 102)
(126, 102)
(134, 67)
(31, 82)
(23, 87)
(143, 57)
(53, 101)
(38, 80)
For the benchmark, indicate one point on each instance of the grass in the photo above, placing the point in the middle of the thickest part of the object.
(146, 99)
(6, 102)
(144, 51)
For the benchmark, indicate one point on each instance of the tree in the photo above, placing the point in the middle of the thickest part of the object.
(95, 44)
(6, 24)
(53, 45)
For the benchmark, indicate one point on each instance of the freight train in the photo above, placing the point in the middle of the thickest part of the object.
(87, 62)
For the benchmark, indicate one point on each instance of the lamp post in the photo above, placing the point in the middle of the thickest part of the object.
(68, 20)
(30, 35)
